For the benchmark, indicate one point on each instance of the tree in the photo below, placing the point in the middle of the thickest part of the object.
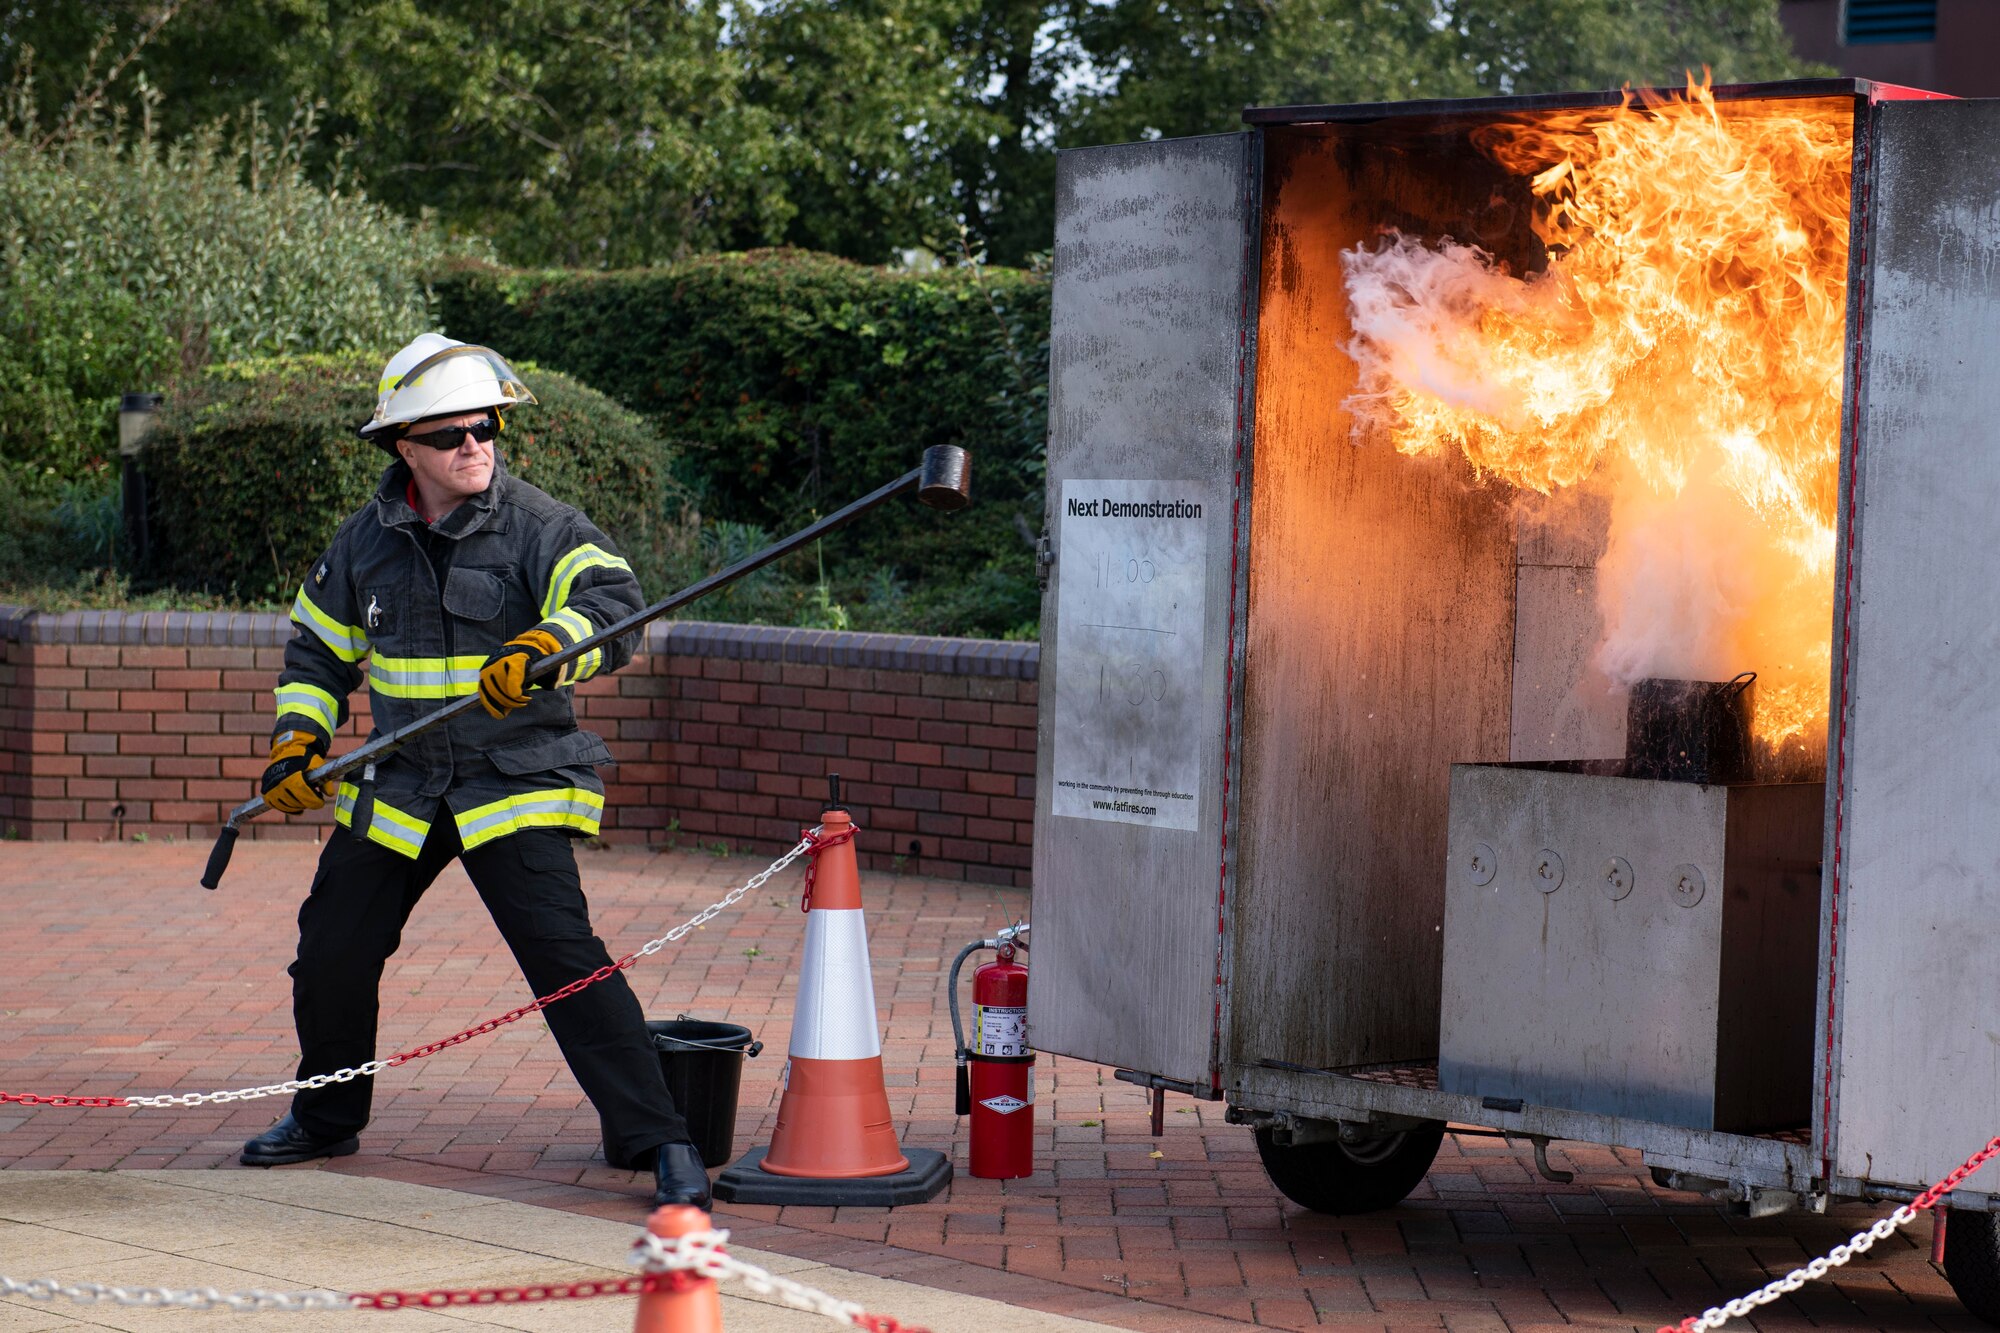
(576, 132)
(1189, 66)
(865, 105)
(594, 132)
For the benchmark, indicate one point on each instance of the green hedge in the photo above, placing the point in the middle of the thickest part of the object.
(128, 264)
(793, 382)
(252, 465)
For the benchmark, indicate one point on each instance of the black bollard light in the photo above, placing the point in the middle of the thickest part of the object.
(135, 423)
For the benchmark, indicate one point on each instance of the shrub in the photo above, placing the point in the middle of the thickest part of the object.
(127, 263)
(253, 464)
(793, 382)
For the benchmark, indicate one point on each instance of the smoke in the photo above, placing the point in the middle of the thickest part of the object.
(1703, 576)
(1693, 586)
(1416, 313)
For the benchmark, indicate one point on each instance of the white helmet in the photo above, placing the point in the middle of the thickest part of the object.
(436, 376)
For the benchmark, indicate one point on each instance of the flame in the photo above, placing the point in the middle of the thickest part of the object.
(1683, 347)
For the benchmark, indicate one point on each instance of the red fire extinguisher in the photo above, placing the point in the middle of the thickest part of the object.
(996, 1069)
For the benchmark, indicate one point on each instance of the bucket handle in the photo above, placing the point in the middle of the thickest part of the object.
(753, 1049)
(1742, 680)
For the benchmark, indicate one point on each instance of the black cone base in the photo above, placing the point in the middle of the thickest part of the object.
(747, 1182)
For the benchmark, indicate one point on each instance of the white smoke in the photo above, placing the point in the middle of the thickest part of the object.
(1416, 310)
(1693, 583)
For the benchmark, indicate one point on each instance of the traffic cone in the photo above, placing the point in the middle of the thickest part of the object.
(835, 1143)
(682, 1302)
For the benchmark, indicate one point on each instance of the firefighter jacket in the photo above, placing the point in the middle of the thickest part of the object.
(423, 608)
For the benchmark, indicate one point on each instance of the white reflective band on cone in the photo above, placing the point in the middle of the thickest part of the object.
(835, 1016)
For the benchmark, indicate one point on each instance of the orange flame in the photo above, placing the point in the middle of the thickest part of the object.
(1683, 346)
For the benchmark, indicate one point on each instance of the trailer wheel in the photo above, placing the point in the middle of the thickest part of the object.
(1972, 1262)
(1365, 1177)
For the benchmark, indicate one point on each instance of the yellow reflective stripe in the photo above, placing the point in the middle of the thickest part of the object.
(582, 669)
(572, 565)
(309, 701)
(347, 642)
(573, 627)
(560, 807)
(569, 625)
(399, 832)
(424, 677)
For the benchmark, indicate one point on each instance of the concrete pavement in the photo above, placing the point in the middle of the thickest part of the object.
(307, 1230)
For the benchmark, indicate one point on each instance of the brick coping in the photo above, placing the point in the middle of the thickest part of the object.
(687, 638)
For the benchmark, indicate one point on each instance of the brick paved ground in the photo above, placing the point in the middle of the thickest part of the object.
(120, 976)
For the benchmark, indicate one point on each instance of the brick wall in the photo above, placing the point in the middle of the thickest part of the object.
(115, 725)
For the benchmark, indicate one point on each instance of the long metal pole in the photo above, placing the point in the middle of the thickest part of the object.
(943, 482)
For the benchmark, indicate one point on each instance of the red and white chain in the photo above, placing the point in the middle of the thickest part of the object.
(679, 1262)
(701, 1253)
(374, 1067)
(1859, 1243)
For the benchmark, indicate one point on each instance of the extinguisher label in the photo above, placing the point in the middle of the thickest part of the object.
(1003, 1105)
(1003, 1029)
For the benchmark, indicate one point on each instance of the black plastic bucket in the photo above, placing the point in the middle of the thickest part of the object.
(703, 1066)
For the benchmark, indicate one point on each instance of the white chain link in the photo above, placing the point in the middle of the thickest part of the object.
(701, 1253)
(374, 1067)
(168, 1298)
(1860, 1243)
(370, 1069)
(708, 913)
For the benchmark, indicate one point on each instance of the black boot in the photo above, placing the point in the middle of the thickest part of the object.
(288, 1141)
(679, 1176)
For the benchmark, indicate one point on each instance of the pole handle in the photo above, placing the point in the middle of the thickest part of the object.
(943, 482)
(218, 859)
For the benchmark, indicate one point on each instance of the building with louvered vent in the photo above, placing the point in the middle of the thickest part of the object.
(1947, 46)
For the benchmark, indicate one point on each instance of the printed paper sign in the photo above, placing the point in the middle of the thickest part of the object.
(1131, 571)
(1003, 1030)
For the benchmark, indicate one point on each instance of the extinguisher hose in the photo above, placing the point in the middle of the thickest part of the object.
(958, 1047)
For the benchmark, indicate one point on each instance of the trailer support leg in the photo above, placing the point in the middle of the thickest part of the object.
(1541, 1142)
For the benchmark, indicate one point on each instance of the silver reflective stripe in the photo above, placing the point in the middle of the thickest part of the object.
(425, 678)
(309, 701)
(574, 624)
(386, 825)
(347, 642)
(572, 567)
(523, 809)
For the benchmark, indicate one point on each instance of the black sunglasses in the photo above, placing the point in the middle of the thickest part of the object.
(451, 437)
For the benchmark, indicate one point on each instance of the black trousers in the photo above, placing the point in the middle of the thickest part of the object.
(352, 921)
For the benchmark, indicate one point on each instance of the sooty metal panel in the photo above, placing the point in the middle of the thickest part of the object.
(1147, 350)
(1915, 859)
(1564, 707)
(1380, 641)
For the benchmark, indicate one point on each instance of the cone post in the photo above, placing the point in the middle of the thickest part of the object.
(835, 1141)
(697, 1308)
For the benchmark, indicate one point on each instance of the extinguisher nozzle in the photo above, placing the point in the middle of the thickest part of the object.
(964, 1089)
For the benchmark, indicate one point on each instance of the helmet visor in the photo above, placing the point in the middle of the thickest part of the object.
(451, 380)
(484, 361)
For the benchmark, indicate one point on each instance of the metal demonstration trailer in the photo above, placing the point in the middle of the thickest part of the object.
(1318, 833)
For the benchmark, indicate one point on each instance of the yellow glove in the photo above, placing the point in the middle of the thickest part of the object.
(285, 785)
(503, 681)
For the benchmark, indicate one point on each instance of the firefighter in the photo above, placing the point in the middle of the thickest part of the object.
(451, 580)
